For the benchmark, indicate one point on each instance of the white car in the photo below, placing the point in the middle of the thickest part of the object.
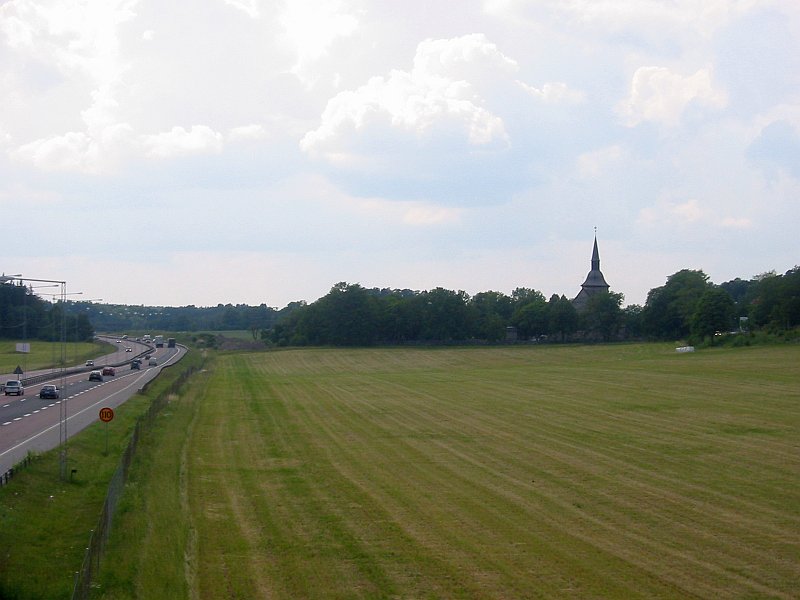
(14, 387)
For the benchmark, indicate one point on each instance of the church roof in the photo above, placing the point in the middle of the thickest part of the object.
(595, 282)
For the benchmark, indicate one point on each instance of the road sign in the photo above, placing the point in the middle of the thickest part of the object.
(18, 370)
(106, 414)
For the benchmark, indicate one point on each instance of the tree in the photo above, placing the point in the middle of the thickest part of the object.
(561, 316)
(531, 318)
(668, 311)
(603, 315)
(714, 312)
(492, 315)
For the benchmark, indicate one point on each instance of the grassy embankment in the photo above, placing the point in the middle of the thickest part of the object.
(46, 523)
(47, 355)
(605, 471)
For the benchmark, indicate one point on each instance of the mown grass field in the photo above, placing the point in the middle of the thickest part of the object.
(624, 471)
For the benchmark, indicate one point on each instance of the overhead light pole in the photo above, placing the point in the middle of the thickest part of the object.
(62, 405)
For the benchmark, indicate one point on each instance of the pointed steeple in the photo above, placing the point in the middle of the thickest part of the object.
(595, 282)
(595, 255)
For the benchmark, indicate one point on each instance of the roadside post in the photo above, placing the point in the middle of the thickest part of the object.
(106, 414)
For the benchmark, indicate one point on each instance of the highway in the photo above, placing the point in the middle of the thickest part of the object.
(28, 423)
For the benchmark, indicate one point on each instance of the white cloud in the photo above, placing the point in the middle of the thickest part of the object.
(200, 139)
(310, 27)
(247, 132)
(658, 94)
(554, 92)
(248, 7)
(672, 214)
(73, 151)
(418, 101)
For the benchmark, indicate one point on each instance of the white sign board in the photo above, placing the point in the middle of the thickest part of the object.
(26, 347)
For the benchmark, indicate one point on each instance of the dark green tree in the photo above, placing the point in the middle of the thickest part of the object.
(603, 315)
(562, 317)
(530, 316)
(714, 313)
(668, 311)
(492, 314)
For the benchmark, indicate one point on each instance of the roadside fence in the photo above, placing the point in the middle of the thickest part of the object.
(6, 477)
(100, 535)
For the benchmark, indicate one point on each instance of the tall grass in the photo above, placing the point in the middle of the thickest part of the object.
(605, 471)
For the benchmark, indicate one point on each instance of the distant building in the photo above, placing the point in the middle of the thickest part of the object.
(594, 284)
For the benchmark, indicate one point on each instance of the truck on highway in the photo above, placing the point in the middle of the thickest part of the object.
(170, 342)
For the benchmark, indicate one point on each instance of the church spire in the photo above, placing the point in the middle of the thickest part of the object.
(595, 282)
(595, 254)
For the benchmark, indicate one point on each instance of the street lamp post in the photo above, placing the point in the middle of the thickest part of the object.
(62, 405)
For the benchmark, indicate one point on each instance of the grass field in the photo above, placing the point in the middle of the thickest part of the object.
(46, 355)
(623, 471)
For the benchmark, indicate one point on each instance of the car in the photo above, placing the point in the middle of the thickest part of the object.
(14, 387)
(136, 365)
(95, 376)
(153, 362)
(147, 357)
(128, 350)
(109, 371)
(89, 363)
(48, 391)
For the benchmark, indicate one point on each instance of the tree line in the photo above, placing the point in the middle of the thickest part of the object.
(25, 316)
(687, 307)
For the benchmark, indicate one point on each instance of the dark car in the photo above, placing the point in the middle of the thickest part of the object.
(49, 392)
(136, 365)
(95, 376)
(109, 371)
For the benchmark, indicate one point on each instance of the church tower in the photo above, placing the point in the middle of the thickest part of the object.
(595, 282)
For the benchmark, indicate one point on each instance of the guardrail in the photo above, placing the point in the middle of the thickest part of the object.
(6, 477)
(76, 370)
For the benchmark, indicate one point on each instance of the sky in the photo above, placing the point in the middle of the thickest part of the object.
(258, 152)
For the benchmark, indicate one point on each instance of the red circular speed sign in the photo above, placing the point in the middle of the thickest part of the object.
(106, 414)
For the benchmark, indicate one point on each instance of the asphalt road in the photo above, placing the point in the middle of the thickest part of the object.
(28, 423)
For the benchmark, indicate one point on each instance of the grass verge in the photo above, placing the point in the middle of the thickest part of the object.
(46, 355)
(624, 471)
(45, 523)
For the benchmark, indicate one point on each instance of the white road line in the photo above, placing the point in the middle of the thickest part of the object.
(94, 406)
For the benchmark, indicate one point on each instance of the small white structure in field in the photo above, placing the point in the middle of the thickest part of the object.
(685, 349)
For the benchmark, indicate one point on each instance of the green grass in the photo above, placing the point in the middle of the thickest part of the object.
(46, 523)
(624, 471)
(46, 355)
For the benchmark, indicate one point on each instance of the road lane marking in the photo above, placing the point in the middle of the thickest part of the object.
(138, 377)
